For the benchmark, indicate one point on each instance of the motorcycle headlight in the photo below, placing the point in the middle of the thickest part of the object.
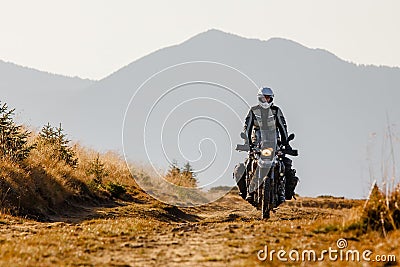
(266, 152)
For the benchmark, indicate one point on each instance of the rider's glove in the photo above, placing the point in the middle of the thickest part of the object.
(287, 147)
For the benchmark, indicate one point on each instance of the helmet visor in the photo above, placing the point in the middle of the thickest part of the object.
(265, 98)
(262, 99)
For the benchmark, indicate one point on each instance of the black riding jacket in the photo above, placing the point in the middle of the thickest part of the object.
(281, 127)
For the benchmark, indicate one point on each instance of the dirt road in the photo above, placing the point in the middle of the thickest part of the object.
(146, 233)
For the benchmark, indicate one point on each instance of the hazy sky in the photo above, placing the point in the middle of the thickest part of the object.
(93, 38)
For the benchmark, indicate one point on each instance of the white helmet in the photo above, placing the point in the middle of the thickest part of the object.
(265, 97)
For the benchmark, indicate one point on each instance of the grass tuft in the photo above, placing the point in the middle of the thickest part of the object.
(44, 183)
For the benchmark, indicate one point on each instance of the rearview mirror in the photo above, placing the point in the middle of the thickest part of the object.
(290, 137)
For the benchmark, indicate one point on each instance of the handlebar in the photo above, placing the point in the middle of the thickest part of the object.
(291, 152)
(246, 147)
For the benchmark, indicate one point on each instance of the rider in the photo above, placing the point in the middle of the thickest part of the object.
(252, 131)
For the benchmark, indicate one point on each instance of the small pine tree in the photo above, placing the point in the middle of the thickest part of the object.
(173, 169)
(187, 169)
(55, 136)
(48, 133)
(189, 175)
(98, 170)
(181, 177)
(13, 138)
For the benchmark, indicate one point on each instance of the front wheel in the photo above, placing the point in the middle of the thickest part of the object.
(266, 200)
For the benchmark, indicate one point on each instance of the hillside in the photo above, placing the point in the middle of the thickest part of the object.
(36, 94)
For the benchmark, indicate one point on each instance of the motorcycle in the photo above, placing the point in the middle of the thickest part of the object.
(260, 176)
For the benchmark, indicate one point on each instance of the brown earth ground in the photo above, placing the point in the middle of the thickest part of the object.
(229, 232)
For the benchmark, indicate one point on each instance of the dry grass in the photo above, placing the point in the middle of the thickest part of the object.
(61, 244)
(381, 212)
(43, 184)
(181, 178)
(226, 232)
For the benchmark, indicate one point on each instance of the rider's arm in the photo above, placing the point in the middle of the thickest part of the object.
(282, 126)
(248, 126)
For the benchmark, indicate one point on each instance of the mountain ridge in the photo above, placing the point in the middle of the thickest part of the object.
(212, 31)
(28, 68)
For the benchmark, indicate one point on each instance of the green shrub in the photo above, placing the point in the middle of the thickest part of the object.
(13, 138)
(55, 137)
(97, 169)
(116, 190)
(181, 177)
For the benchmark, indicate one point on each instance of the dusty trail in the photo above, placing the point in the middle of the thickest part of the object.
(225, 233)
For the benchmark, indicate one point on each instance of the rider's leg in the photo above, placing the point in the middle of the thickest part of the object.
(281, 189)
(239, 174)
(251, 167)
(291, 179)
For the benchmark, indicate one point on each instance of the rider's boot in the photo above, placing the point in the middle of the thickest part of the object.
(291, 179)
(250, 197)
(239, 174)
(281, 191)
(291, 183)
